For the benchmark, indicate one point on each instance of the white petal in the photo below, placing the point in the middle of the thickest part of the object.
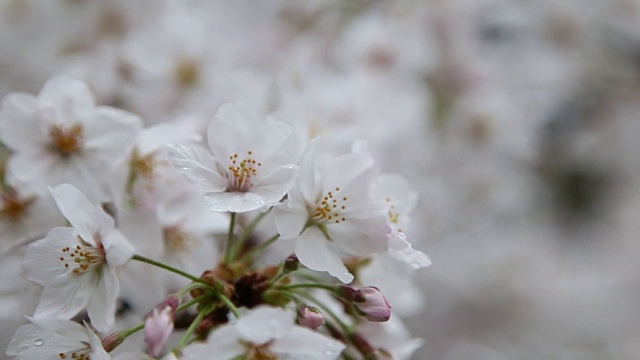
(33, 167)
(83, 216)
(263, 324)
(66, 328)
(97, 351)
(312, 251)
(20, 126)
(111, 132)
(276, 184)
(71, 99)
(235, 128)
(102, 307)
(42, 260)
(346, 169)
(302, 343)
(66, 295)
(223, 344)
(290, 217)
(306, 182)
(281, 145)
(198, 166)
(118, 250)
(45, 339)
(401, 250)
(356, 238)
(235, 201)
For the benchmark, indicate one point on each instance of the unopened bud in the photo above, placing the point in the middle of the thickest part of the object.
(371, 304)
(113, 340)
(310, 317)
(291, 264)
(158, 325)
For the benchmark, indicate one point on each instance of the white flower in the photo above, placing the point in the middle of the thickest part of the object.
(77, 266)
(250, 162)
(55, 339)
(392, 337)
(265, 333)
(24, 217)
(331, 211)
(401, 200)
(60, 136)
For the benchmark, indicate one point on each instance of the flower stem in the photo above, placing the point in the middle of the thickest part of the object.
(190, 287)
(192, 328)
(133, 330)
(247, 233)
(256, 250)
(229, 304)
(190, 303)
(169, 268)
(229, 246)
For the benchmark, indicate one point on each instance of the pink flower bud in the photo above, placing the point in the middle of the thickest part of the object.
(370, 303)
(310, 317)
(158, 325)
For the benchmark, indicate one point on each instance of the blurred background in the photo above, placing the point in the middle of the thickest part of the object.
(515, 120)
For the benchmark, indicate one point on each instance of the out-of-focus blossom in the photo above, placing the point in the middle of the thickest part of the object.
(60, 136)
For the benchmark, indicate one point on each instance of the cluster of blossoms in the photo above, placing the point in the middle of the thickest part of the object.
(248, 241)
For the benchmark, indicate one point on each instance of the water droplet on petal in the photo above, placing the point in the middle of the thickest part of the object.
(38, 342)
(329, 352)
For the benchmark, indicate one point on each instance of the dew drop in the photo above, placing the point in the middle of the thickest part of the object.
(38, 342)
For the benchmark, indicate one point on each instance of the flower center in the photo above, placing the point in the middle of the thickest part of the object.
(330, 209)
(260, 352)
(241, 171)
(66, 141)
(187, 73)
(394, 216)
(176, 239)
(83, 257)
(11, 207)
(82, 354)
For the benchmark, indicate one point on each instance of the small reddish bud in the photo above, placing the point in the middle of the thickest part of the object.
(371, 304)
(310, 317)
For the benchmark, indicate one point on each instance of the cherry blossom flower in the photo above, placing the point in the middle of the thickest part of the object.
(60, 136)
(250, 162)
(391, 338)
(401, 201)
(55, 339)
(24, 217)
(332, 212)
(265, 333)
(77, 265)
